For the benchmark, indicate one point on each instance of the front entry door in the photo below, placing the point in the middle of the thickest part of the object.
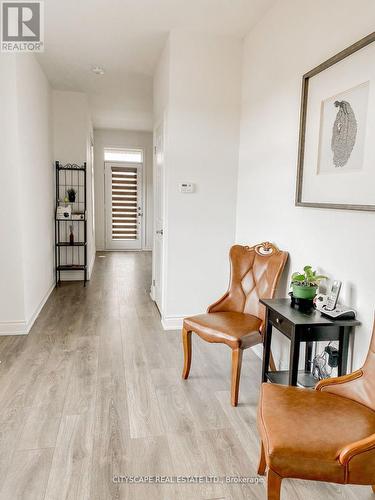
(124, 208)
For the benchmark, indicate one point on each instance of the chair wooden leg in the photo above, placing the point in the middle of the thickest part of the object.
(186, 341)
(273, 485)
(262, 461)
(236, 374)
(373, 488)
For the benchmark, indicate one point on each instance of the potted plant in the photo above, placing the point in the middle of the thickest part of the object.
(305, 285)
(72, 195)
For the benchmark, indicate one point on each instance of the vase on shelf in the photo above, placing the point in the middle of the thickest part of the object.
(71, 236)
(72, 195)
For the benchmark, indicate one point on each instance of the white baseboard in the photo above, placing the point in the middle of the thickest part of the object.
(172, 322)
(13, 328)
(23, 327)
(152, 293)
(31, 320)
(20, 327)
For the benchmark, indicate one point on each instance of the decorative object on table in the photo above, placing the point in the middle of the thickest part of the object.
(72, 195)
(304, 287)
(339, 312)
(328, 304)
(335, 160)
(71, 235)
(71, 238)
(63, 212)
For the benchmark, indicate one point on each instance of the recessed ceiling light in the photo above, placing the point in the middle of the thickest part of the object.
(98, 70)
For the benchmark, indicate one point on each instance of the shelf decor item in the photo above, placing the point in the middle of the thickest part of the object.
(64, 212)
(71, 236)
(71, 195)
(305, 285)
(71, 227)
(336, 149)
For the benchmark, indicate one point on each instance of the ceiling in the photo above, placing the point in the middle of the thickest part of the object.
(126, 37)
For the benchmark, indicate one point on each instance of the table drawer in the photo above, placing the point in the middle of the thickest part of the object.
(279, 322)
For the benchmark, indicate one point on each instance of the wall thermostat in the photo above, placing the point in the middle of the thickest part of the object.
(186, 187)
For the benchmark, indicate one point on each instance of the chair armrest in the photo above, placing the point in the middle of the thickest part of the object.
(215, 307)
(329, 382)
(353, 449)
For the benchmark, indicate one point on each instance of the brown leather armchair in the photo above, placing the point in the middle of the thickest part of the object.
(237, 319)
(323, 435)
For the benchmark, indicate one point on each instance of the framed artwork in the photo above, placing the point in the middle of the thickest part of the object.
(336, 157)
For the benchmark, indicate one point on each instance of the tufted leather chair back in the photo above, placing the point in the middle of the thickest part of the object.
(361, 386)
(364, 390)
(255, 273)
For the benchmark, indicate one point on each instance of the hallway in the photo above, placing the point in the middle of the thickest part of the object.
(95, 391)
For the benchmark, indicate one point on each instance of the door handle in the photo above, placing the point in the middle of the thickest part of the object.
(160, 231)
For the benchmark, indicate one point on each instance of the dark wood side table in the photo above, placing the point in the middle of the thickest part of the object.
(299, 326)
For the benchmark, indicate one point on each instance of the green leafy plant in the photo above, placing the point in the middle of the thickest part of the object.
(308, 278)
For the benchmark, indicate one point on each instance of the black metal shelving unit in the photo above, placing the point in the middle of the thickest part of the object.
(71, 256)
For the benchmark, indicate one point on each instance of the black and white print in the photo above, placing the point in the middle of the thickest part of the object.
(343, 130)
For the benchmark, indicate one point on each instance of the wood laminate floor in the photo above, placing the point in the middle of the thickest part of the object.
(95, 391)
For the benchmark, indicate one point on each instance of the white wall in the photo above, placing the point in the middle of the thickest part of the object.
(106, 138)
(70, 126)
(72, 139)
(198, 83)
(12, 309)
(161, 84)
(26, 172)
(294, 37)
(37, 181)
(122, 102)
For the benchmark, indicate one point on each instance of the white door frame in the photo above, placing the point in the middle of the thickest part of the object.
(122, 245)
(159, 298)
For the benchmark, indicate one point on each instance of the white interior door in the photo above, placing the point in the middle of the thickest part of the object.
(123, 206)
(159, 215)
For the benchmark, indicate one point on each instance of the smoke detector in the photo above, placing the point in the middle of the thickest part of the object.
(98, 70)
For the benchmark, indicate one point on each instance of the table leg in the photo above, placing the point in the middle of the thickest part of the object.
(343, 350)
(308, 357)
(266, 348)
(294, 358)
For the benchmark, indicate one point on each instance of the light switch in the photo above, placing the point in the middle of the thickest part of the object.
(186, 187)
